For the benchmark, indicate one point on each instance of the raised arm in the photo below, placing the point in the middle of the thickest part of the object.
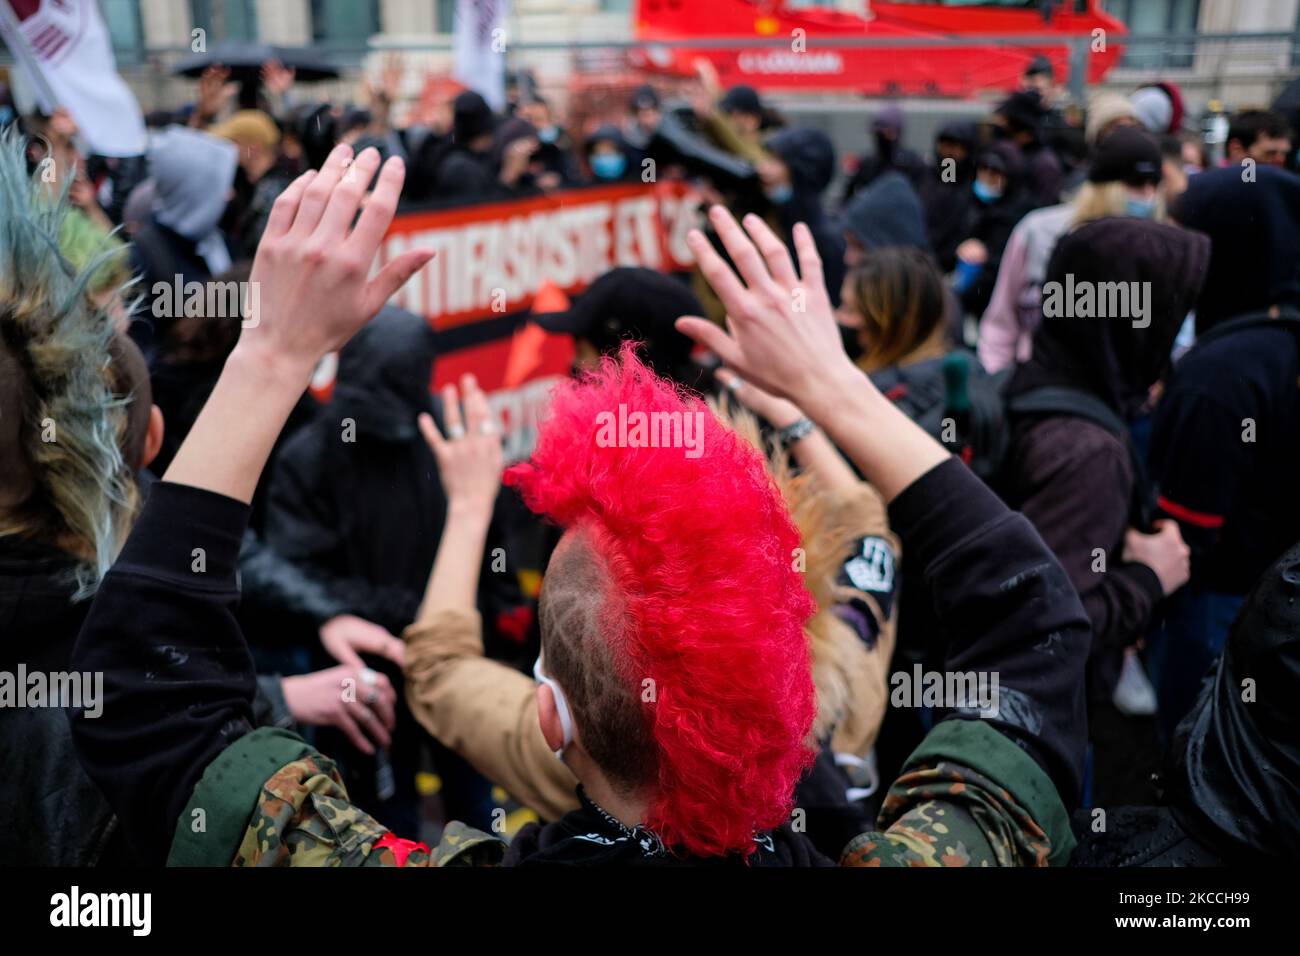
(178, 679)
(1004, 602)
(482, 709)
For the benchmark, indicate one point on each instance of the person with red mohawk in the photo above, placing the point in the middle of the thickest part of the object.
(674, 677)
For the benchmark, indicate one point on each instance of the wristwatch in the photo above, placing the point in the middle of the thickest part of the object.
(795, 432)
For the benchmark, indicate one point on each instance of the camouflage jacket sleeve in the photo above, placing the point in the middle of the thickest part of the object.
(270, 799)
(968, 796)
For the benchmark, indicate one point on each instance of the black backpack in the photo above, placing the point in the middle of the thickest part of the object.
(958, 404)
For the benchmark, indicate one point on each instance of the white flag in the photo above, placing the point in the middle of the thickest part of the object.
(480, 48)
(64, 47)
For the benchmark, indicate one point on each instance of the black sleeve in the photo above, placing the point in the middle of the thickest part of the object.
(178, 679)
(270, 583)
(1006, 608)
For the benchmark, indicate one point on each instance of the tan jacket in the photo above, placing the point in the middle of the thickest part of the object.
(486, 711)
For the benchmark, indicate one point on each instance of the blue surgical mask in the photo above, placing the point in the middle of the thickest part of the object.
(1139, 208)
(986, 194)
(548, 134)
(780, 194)
(609, 165)
(561, 705)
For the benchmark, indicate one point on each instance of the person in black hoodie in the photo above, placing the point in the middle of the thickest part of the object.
(609, 157)
(802, 168)
(356, 501)
(1231, 781)
(1225, 441)
(1071, 467)
(945, 190)
(1020, 117)
(890, 154)
(1000, 201)
(994, 781)
(462, 169)
(885, 215)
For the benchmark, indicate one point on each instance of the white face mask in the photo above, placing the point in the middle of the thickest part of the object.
(561, 706)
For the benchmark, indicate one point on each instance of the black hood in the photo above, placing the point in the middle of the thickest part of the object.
(960, 131)
(1234, 775)
(809, 155)
(471, 118)
(1254, 230)
(887, 214)
(384, 376)
(1109, 357)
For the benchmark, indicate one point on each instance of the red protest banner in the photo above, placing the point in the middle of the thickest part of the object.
(492, 261)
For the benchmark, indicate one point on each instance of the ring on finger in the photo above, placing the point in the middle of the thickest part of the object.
(455, 431)
(736, 384)
(487, 428)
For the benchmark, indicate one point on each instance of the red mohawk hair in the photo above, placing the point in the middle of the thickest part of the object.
(701, 553)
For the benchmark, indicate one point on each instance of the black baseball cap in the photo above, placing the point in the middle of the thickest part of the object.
(1128, 155)
(631, 303)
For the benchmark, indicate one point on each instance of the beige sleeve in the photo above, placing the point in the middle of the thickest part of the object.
(484, 711)
(721, 131)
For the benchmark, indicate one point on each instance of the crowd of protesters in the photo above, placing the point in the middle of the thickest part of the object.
(925, 447)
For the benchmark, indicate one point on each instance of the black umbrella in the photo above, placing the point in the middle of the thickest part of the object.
(245, 61)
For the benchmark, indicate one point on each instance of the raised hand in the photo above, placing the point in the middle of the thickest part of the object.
(781, 325)
(469, 457)
(312, 266)
(781, 335)
(311, 291)
(277, 78)
(215, 91)
(469, 464)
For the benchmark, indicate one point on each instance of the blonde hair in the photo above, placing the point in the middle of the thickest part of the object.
(83, 497)
(1104, 200)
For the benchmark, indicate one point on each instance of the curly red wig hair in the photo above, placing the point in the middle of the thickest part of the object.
(698, 554)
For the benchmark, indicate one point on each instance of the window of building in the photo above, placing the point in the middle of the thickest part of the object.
(125, 29)
(345, 26)
(444, 16)
(1153, 18)
(226, 19)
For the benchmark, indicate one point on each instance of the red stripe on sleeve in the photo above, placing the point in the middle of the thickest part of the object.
(1198, 518)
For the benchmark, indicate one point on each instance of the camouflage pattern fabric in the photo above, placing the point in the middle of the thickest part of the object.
(303, 818)
(950, 815)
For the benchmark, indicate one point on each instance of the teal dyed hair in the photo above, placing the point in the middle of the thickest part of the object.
(84, 495)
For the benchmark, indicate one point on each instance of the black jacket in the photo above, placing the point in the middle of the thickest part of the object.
(54, 815)
(1235, 499)
(1232, 784)
(1071, 477)
(355, 499)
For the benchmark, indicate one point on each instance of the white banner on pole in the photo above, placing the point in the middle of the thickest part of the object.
(480, 48)
(64, 47)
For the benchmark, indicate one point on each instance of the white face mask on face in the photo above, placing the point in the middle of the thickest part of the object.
(561, 706)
